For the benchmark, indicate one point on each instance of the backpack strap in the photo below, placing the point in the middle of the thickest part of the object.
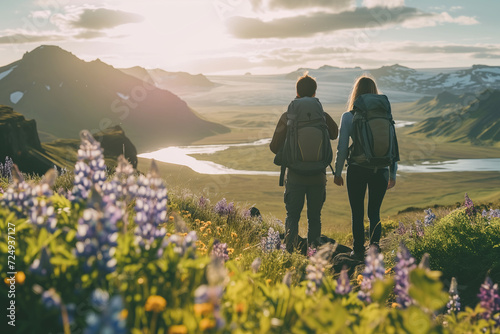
(282, 176)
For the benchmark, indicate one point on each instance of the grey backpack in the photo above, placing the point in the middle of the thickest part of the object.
(373, 132)
(307, 149)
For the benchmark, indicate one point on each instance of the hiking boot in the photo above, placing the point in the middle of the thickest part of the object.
(360, 256)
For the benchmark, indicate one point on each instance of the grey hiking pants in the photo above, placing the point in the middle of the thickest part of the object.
(294, 197)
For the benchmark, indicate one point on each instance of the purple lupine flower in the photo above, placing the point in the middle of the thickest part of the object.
(404, 264)
(311, 251)
(99, 299)
(108, 320)
(470, 209)
(42, 214)
(6, 169)
(211, 294)
(401, 229)
(430, 217)
(42, 266)
(255, 266)
(287, 279)
(18, 194)
(315, 270)
(453, 305)
(150, 206)
(219, 250)
(374, 270)
(271, 242)
(97, 237)
(223, 208)
(51, 299)
(491, 213)
(343, 283)
(90, 168)
(419, 228)
(203, 202)
(489, 299)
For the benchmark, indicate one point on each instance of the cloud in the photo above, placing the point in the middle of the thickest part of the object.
(103, 18)
(23, 38)
(437, 19)
(333, 5)
(90, 34)
(308, 25)
(383, 3)
(451, 48)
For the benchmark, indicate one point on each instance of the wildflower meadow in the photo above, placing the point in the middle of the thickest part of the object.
(113, 251)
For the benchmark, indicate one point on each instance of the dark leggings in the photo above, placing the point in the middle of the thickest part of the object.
(358, 178)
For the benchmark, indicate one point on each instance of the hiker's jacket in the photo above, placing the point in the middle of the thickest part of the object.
(278, 141)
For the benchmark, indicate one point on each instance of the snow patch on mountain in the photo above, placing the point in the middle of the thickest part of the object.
(6, 73)
(16, 97)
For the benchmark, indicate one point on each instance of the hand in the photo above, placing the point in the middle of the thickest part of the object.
(391, 184)
(338, 180)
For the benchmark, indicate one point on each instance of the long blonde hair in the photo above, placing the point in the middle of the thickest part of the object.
(363, 85)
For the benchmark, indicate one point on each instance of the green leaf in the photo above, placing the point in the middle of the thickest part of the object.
(427, 290)
(70, 236)
(381, 290)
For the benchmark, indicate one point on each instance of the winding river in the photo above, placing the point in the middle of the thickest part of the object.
(181, 155)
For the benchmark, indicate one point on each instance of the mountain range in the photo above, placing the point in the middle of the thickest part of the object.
(475, 120)
(65, 94)
(425, 81)
(172, 81)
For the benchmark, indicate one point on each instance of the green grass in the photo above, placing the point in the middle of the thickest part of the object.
(412, 190)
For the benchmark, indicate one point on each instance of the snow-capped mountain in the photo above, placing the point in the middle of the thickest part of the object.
(433, 81)
(423, 81)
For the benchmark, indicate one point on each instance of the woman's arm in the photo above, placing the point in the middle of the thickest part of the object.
(343, 144)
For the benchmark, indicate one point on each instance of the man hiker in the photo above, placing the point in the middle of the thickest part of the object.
(302, 146)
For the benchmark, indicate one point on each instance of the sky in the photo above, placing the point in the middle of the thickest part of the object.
(256, 36)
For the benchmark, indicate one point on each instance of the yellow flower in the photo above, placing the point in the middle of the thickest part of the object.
(197, 221)
(209, 231)
(209, 222)
(155, 304)
(230, 251)
(169, 234)
(247, 245)
(124, 314)
(202, 228)
(395, 305)
(140, 280)
(205, 234)
(234, 235)
(360, 279)
(178, 329)
(20, 277)
(171, 218)
(268, 281)
(203, 309)
(388, 270)
(207, 324)
(184, 234)
(240, 307)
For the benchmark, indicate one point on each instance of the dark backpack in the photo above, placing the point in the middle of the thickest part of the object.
(373, 134)
(307, 149)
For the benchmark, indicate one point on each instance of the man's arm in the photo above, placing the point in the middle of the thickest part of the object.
(333, 129)
(279, 135)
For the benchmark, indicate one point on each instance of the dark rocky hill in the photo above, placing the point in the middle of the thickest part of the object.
(478, 122)
(66, 94)
(19, 140)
